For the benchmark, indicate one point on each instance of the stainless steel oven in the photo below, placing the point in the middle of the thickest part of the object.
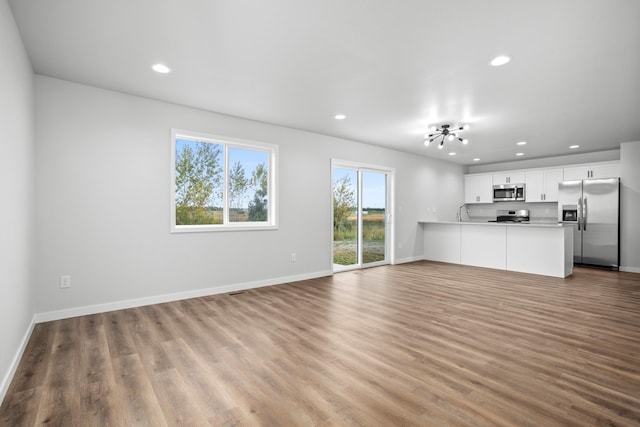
(508, 193)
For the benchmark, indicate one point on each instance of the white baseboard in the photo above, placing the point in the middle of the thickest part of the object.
(410, 259)
(159, 299)
(6, 381)
(630, 269)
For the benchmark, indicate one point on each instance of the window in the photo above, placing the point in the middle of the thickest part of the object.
(221, 183)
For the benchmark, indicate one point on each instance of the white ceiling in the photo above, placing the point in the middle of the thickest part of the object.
(391, 66)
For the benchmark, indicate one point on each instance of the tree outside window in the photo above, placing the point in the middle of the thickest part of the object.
(207, 194)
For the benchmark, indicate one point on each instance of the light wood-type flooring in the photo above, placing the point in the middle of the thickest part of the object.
(424, 343)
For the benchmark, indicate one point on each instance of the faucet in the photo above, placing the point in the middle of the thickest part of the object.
(459, 213)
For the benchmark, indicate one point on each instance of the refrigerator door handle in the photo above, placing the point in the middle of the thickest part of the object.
(584, 214)
(579, 212)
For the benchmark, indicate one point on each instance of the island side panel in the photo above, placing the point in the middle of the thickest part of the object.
(540, 250)
(483, 246)
(442, 242)
(568, 251)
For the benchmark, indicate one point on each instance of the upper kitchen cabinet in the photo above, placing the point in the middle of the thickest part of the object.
(596, 170)
(515, 177)
(542, 185)
(478, 188)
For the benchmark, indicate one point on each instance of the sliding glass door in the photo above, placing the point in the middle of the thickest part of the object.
(374, 217)
(360, 216)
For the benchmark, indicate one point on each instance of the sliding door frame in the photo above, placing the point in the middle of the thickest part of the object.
(390, 217)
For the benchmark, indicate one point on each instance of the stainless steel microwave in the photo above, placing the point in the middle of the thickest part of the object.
(508, 193)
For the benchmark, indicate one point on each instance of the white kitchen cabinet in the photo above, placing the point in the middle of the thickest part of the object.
(442, 242)
(534, 186)
(542, 185)
(545, 249)
(552, 177)
(513, 177)
(478, 188)
(483, 246)
(596, 170)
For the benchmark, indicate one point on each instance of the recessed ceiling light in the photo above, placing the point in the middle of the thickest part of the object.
(339, 117)
(573, 146)
(521, 143)
(500, 60)
(519, 154)
(452, 154)
(161, 68)
(477, 159)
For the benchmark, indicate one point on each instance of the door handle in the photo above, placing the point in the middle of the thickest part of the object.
(584, 213)
(579, 212)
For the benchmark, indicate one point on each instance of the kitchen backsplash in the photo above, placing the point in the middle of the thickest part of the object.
(543, 212)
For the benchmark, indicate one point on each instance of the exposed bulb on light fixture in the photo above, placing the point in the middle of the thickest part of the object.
(445, 131)
(427, 142)
(441, 145)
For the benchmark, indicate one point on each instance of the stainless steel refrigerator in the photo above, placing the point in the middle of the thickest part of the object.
(593, 205)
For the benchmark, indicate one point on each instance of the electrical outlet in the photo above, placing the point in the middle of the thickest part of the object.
(293, 258)
(65, 282)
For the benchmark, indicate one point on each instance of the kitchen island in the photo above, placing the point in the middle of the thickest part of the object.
(538, 248)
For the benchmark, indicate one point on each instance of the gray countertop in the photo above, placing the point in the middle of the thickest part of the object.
(546, 224)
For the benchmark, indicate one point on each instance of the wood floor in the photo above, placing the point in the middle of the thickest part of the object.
(425, 344)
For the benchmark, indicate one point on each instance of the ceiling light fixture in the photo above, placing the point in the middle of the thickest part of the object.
(500, 60)
(445, 131)
(339, 117)
(161, 68)
(519, 154)
(521, 143)
(574, 146)
(477, 159)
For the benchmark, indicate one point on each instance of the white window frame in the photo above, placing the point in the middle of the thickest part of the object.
(227, 142)
(391, 228)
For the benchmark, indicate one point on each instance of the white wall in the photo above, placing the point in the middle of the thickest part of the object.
(103, 200)
(17, 209)
(630, 206)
